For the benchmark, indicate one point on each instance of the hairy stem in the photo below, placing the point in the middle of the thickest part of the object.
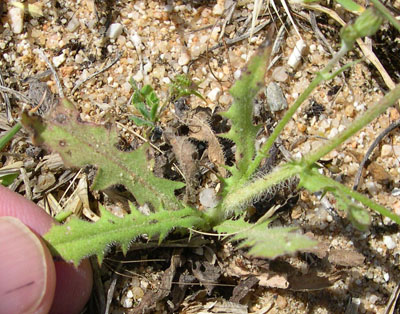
(386, 13)
(321, 76)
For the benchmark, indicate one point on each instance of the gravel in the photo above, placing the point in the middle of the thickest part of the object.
(159, 39)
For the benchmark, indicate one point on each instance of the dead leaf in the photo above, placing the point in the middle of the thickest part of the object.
(150, 299)
(244, 287)
(228, 307)
(345, 257)
(273, 281)
(44, 182)
(391, 305)
(379, 173)
(185, 152)
(320, 250)
(218, 306)
(310, 282)
(202, 131)
(207, 274)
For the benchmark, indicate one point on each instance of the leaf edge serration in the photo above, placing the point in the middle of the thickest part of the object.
(78, 239)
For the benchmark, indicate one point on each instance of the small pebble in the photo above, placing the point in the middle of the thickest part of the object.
(126, 302)
(79, 58)
(396, 208)
(137, 293)
(58, 60)
(386, 276)
(394, 114)
(279, 74)
(237, 74)
(147, 67)
(138, 76)
(386, 150)
(183, 59)
(218, 9)
(214, 94)
(137, 41)
(295, 57)
(276, 101)
(225, 99)
(373, 298)
(371, 186)
(114, 30)
(349, 111)
(208, 198)
(390, 244)
(126, 87)
(72, 25)
(129, 294)
(281, 302)
(301, 127)
(16, 16)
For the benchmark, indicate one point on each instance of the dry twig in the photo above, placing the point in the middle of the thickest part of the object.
(370, 150)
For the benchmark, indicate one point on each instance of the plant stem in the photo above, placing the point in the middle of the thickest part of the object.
(322, 75)
(9, 135)
(357, 196)
(388, 100)
(235, 202)
(386, 13)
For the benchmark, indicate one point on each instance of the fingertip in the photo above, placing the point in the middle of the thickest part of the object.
(72, 284)
(26, 269)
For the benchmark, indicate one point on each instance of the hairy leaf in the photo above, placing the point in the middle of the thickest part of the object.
(264, 241)
(82, 143)
(78, 239)
(243, 132)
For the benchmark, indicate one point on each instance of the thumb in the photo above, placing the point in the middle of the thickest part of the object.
(27, 270)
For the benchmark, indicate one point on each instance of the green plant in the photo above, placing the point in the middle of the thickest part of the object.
(145, 100)
(183, 86)
(82, 143)
(9, 176)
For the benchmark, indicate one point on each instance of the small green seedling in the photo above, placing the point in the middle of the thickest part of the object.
(145, 100)
(183, 86)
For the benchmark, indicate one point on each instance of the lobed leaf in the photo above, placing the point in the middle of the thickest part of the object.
(82, 143)
(243, 132)
(78, 239)
(264, 241)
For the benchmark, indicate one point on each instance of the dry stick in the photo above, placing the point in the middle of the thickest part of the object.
(318, 32)
(147, 141)
(277, 46)
(10, 119)
(241, 37)
(59, 86)
(18, 95)
(370, 150)
(25, 178)
(139, 136)
(321, 36)
(227, 19)
(111, 289)
(232, 41)
(79, 83)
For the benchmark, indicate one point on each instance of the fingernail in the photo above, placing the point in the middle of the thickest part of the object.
(22, 268)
